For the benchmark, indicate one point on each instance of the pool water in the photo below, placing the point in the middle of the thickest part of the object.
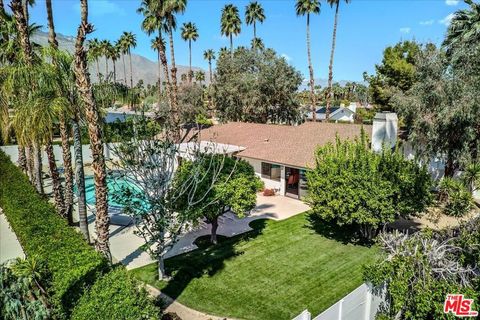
(114, 186)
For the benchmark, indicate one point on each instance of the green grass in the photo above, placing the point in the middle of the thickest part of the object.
(274, 272)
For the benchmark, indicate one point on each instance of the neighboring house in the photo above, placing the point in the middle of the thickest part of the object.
(121, 114)
(280, 154)
(337, 114)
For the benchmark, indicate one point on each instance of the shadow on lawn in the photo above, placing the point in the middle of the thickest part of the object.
(330, 230)
(207, 260)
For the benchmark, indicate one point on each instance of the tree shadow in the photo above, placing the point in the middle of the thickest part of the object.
(331, 230)
(207, 260)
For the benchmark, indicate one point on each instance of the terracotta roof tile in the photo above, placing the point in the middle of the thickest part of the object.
(291, 145)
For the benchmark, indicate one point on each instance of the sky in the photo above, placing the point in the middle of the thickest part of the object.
(365, 28)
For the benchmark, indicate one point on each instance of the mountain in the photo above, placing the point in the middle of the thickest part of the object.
(143, 68)
(323, 83)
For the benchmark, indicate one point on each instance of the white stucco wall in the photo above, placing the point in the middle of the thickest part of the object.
(269, 184)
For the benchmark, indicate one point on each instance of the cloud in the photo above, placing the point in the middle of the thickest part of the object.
(451, 2)
(405, 30)
(102, 7)
(446, 21)
(427, 22)
(286, 57)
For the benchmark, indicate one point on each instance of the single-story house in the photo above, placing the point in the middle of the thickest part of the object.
(338, 114)
(280, 154)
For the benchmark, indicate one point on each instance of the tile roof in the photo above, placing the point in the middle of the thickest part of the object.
(290, 145)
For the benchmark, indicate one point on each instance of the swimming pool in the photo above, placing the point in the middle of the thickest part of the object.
(114, 186)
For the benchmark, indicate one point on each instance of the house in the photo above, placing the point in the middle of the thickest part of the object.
(337, 114)
(280, 154)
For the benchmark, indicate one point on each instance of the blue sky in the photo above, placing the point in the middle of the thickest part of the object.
(365, 28)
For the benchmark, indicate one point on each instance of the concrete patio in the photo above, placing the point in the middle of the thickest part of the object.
(126, 246)
(9, 246)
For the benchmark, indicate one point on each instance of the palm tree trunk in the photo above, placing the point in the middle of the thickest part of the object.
(106, 68)
(159, 77)
(25, 10)
(67, 170)
(114, 72)
(168, 87)
(102, 219)
(190, 61)
(56, 185)
(131, 69)
(30, 164)
(231, 46)
(80, 180)
(22, 27)
(37, 162)
(310, 69)
(210, 70)
(22, 160)
(51, 28)
(330, 67)
(176, 120)
(254, 35)
(124, 70)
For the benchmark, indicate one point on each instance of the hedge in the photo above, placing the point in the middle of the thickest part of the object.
(109, 296)
(73, 265)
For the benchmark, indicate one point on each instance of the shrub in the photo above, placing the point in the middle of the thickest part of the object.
(42, 233)
(455, 198)
(72, 264)
(115, 296)
(353, 186)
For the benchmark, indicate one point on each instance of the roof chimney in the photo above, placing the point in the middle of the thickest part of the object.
(384, 130)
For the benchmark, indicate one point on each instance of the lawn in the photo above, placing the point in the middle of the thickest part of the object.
(274, 272)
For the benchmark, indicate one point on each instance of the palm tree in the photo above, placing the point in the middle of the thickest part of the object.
(154, 22)
(168, 12)
(307, 7)
(66, 154)
(94, 51)
(200, 76)
(102, 220)
(105, 46)
(114, 54)
(471, 176)
(129, 41)
(189, 33)
(332, 3)
(463, 28)
(257, 43)
(230, 23)
(209, 55)
(253, 13)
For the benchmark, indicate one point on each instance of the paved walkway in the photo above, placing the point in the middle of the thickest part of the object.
(9, 246)
(125, 245)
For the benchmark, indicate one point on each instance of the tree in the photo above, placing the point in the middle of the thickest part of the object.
(102, 219)
(114, 54)
(461, 29)
(257, 43)
(129, 41)
(230, 23)
(307, 7)
(332, 3)
(235, 188)
(105, 47)
(94, 52)
(200, 76)
(397, 72)
(209, 55)
(256, 86)
(151, 197)
(189, 33)
(253, 13)
(352, 186)
(157, 44)
(419, 270)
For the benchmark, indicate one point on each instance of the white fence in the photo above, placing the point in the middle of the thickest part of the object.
(360, 304)
(12, 152)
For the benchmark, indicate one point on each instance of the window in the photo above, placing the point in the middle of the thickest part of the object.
(271, 171)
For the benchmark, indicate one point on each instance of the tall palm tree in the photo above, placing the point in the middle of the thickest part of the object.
(129, 41)
(253, 13)
(230, 23)
(64, 134)
(114, 54)
(94, 52)
(154, 22)
(102, 220)
(209, 55)
(189, 33)
(307, 7)
(105, 46)
(200, 76)
(463, 28)
(169, 10)
(332, 3)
